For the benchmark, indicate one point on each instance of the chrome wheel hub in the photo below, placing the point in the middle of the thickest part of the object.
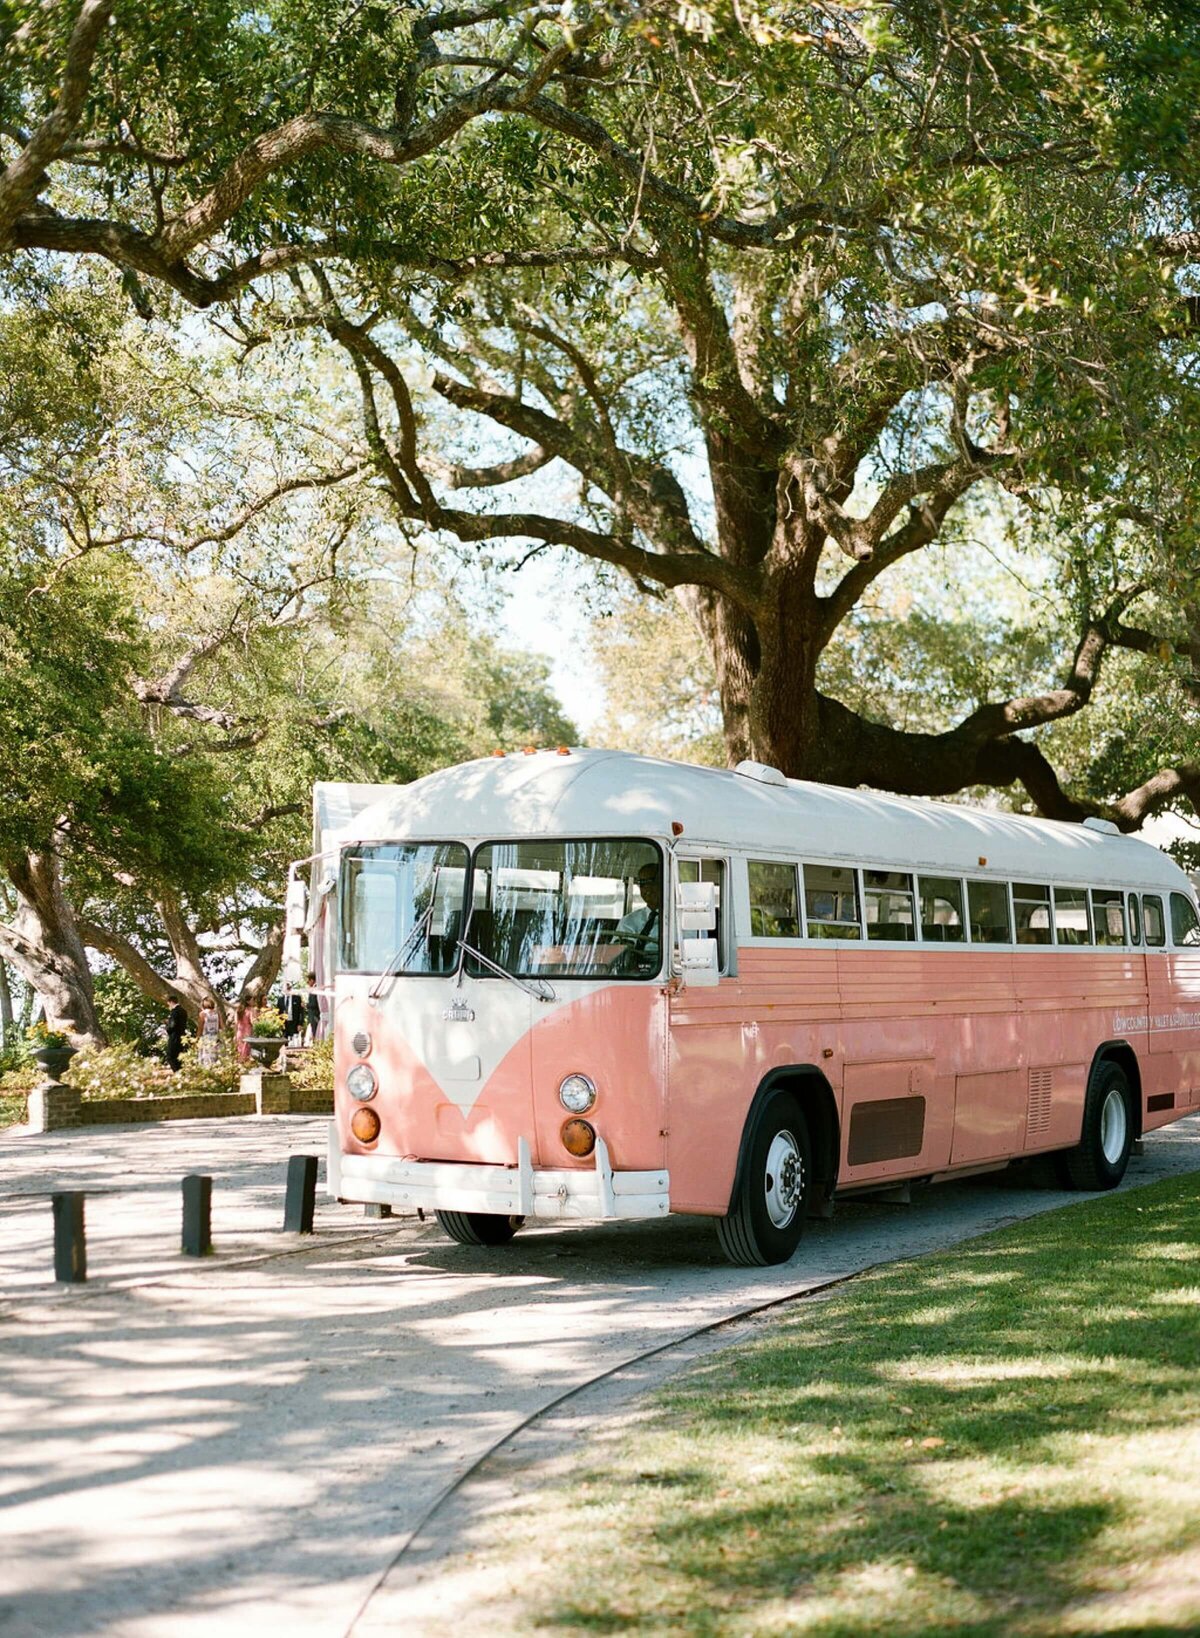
(1114, 1120)
(784, 1179)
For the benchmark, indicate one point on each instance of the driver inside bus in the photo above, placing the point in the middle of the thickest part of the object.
(641, 928)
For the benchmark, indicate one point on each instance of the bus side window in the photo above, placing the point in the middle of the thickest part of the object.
(1071, 921)
(773, 908)
(988, 905)
(708, 870)
(831, 901)
(1152, 914)
(1031, 907)
(1135, 920)
(941, 909)
(888, 903)
(1185, 925)
(1108, 910)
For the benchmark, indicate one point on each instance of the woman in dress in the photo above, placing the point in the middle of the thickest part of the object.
(243, 1031)
(207, 1031)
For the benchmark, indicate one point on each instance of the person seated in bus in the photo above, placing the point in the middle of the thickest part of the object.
(641, 928)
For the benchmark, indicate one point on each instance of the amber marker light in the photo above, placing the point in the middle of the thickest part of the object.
(365, 1125)
(579, 1138)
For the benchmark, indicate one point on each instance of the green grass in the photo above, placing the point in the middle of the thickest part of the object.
(1004, 1440)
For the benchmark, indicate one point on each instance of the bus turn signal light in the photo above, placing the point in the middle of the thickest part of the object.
(365, 1125)
(579, 1138)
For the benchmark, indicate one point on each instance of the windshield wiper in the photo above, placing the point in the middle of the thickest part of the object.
(400, 960)
(543, 992)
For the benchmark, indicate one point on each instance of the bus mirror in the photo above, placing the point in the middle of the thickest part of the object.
(296, 910)
(293, 963)
(697, 905)
(699, 961)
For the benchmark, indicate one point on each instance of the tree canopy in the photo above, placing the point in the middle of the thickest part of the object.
(753, 304)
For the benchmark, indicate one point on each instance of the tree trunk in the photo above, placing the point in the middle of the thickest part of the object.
(43, 944)
(265, 969)
(190, 976)
(6, 1007)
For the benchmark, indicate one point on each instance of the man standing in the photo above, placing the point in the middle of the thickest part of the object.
(177, 1020)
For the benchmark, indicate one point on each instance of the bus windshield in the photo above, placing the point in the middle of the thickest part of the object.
(568, 909)
(400, 907)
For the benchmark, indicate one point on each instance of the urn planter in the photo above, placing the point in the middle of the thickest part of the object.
(264, 1049)
(54, 1059)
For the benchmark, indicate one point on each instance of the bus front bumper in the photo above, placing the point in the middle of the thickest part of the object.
(598, 1193)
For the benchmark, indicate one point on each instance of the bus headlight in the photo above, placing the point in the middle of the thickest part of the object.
(577, 1094)
(361, 1082)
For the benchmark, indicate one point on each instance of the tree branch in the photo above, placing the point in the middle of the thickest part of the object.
(22, 180)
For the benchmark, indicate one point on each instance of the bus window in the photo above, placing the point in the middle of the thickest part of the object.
(1152, 913)
(773, 909)
(987, 904)
(401, 907)
(1185, 928)
(1071, 921)
(1135, 920)
(588, 909)
(707, 870)
(888, 903)
(1108, 908)
(941, 909)
(831, 901)
(1031, 908)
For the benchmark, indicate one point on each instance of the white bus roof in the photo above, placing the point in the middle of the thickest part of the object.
(615, 793)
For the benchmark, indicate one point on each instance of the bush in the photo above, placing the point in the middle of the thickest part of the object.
(118, 1071)
(122, 1072)
(314, 1071)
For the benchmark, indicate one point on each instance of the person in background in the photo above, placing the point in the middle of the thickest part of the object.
(243, 1030)
(177, 1023)
(292, 1009)
(312, 1012)
(208, 1029)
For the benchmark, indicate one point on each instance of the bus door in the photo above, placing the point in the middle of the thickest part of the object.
(708, 1069)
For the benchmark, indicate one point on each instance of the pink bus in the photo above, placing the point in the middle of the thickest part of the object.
(590, 985)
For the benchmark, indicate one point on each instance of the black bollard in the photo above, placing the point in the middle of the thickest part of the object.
(70, 1242)
(301, 1196)
(197, 1215)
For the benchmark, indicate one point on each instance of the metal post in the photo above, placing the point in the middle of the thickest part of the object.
(197, 1215)
(70, 1241)
(301, 1196)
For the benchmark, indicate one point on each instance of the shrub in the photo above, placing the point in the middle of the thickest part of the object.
(118, 1071)
(314, 1071)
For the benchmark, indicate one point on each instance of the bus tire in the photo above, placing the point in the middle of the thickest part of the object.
(766, 1218)
(479, 1228)
(1099, 1159)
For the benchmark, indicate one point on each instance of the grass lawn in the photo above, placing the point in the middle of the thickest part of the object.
(1004, 1440)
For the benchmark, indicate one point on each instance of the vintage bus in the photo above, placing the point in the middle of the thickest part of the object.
(588, 984)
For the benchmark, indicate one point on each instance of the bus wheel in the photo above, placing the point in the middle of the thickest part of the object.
(1099, 1159)
(767, 1216)
(479, 1228)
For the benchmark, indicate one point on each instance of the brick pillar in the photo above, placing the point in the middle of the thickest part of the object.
(53, 1106)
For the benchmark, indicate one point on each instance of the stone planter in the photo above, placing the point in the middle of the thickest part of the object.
(264, 1049)
(54, 1059)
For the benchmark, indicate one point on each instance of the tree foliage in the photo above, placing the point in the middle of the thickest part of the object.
(754, 305)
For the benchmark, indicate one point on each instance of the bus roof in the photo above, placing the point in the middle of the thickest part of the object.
(616, 793)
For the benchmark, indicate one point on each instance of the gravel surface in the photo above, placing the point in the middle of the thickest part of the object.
(246, 1443)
